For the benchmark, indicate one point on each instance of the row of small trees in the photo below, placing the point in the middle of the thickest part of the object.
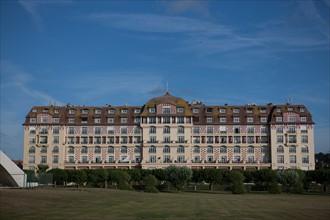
(290, 181)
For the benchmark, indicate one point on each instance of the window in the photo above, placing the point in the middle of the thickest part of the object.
(180, 120)
(303, 119)
(152, 139)
(44, 119)
(71, 120)
(111, 111)
(137, 149)
(32, 140)
(32, 130)
(111, 159)
(152, 110)
(56, 139)
(250, 130)
(166, 130)
(72, 111)
(249, 119)
(236, 119)
(209, 150)
(123, 120)
(123, 150)
(250, 149)
(152, 130)
(196, 130)
(84, 130)
(97, 130)
(152, 150)
(152, 120)
(55, 159)
(137, 130)
(209, 119)
(43, 149)
(152, 159)
(123, 140)
(167, 139)
(56, 120)
(304, 149)
(98, 111)
(180, 149)
(280, 149)
(136, 120)
(292, 149)
(196, 110)
(124, 111)
(166, 120)
(32, 150)
(180, 110)
(236, 110)
(292, 139)
(98, 159)
(209, 130)
(264, 129)
(209, 110)
(223, 129)
(263, 110)
(84, 150)
(304, 139)
(209, 159)
(97, 120)
(137, 110)
(250, 159)
(263, 119)
(111, 130)
(84, 159)
(196, 149)
(111, 120)
(33, 120)
(97, 150)
(31, 159)
(84, 111)
(302, 109)
(280, 159)
(43, 159)
(291, 118)
(223, 119)
(111, 150)
(279, 129)
(181, 159)
(264, 149)
(166, 159)
(180, 130)
(223, 139)
(166, 110)
(237, 140)
(290, 109)
(167, 149)
(278, 110)
(34, 110)
(180, 139)
(71, 150)
(237, 130)
(305, 159)
(223, 159)
(249, 110)
(279, 139)
(279, 119)
(222, 110)
(237, 149)
(237, 159)
(56, 111)
(123, 130)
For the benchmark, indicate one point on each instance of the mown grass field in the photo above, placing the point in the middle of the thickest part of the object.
(90, 203)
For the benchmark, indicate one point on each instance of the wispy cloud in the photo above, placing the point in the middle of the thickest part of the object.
(190, 6)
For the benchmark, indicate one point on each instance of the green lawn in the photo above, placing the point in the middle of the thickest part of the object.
(88, 203)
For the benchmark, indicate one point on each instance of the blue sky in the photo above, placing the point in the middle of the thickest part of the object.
(124, 52)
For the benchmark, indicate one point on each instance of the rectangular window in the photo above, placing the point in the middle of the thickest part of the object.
(209, 119)
(223, 129)
(72, 111)
(137, 110)
(71, 120)
(32, 140)
(97, 130)
(167, 139)
(56, 120)
(166, 159)
(181, 159)
(98, 111)
(223, 119)
(196, 130)
(111, 159)
(166, 110)
(43, 159)
(123, 120)
(152, 159)
(303, 119)
(56, 139)
(263, 110)
(279, 119)
(56, 130)
(181, 139)
(180, 110)
(304, 139)
(264, 129)
(293, 159)
(84, 111)
(290, 109)
(279, 139)
(55, 159)
(44, 119)
(84, 159)
(97, 120)
(302, 109)
(152, 139)
(84, 130)
(236, 110)
(279, 129)
(263, 119)
(124, 111)
(43, 139)
(152, 110)
(209, 130)
(137, 120)
(111, 111)
(180, 120)
(56, 111)
(123, 130)
(71, 130)
(152, 120)
(236, 119)
(250, 130)
(305, 159)
(292, 139)
(196, 110)
(249, 119)
(111, 120)
(280, 159)
(33, 120)
(222, 110)
(166, 120)
(31, 159)
(291, 118)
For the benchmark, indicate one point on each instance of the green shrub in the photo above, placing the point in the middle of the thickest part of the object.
(275, 188)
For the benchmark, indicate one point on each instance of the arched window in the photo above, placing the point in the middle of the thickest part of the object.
(280, 149)
(197, 149)
(32, 150)
(250, 149)
(55, 149)
(237, 149)
(166, 130)
(209, 149)
(304, 149)
(292, 149)
(84, 150)
(180, 130)
(180, 149)
(97, 150)
(166, 149)
(110, 150)
(43, 149)
(152, 149)
(71, 150)
(223, 149)
(123, 150)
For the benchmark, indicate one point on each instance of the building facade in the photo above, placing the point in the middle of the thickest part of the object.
(167, 130)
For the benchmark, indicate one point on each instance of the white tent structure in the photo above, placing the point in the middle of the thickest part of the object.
(10, 174)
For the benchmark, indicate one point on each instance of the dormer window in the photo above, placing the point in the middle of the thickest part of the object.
(278, 110)
(290, 109)
(72, 111)
(152, 110)
(209, 119)
(302, 109)
(222, 110)
(71, 120)
(303, 119)
(111, 111)
(263, 110)
(137, 110)
(45, 110)
(249, 110)
(98, 111)
(180, 110)
(209, 110)
(56, 111)
(34, 110)
(33, 120)
(124, 111)
(236, 110)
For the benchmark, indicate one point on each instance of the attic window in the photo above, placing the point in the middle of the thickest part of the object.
(180, 110)
(196, 110)
(34, 110)
(249, 110)
(72, 111)
(56, 111)
(152, 110)
(209, 110)
(290, 109)
(236, 110)
(45, 110)
(98, 111)
(137, 110)
(222, 110)
(84, 111)
(302, 109)
(263, 110)
(111, 111)
(124, 111)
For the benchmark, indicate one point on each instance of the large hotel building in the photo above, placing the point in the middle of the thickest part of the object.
(167, 130)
